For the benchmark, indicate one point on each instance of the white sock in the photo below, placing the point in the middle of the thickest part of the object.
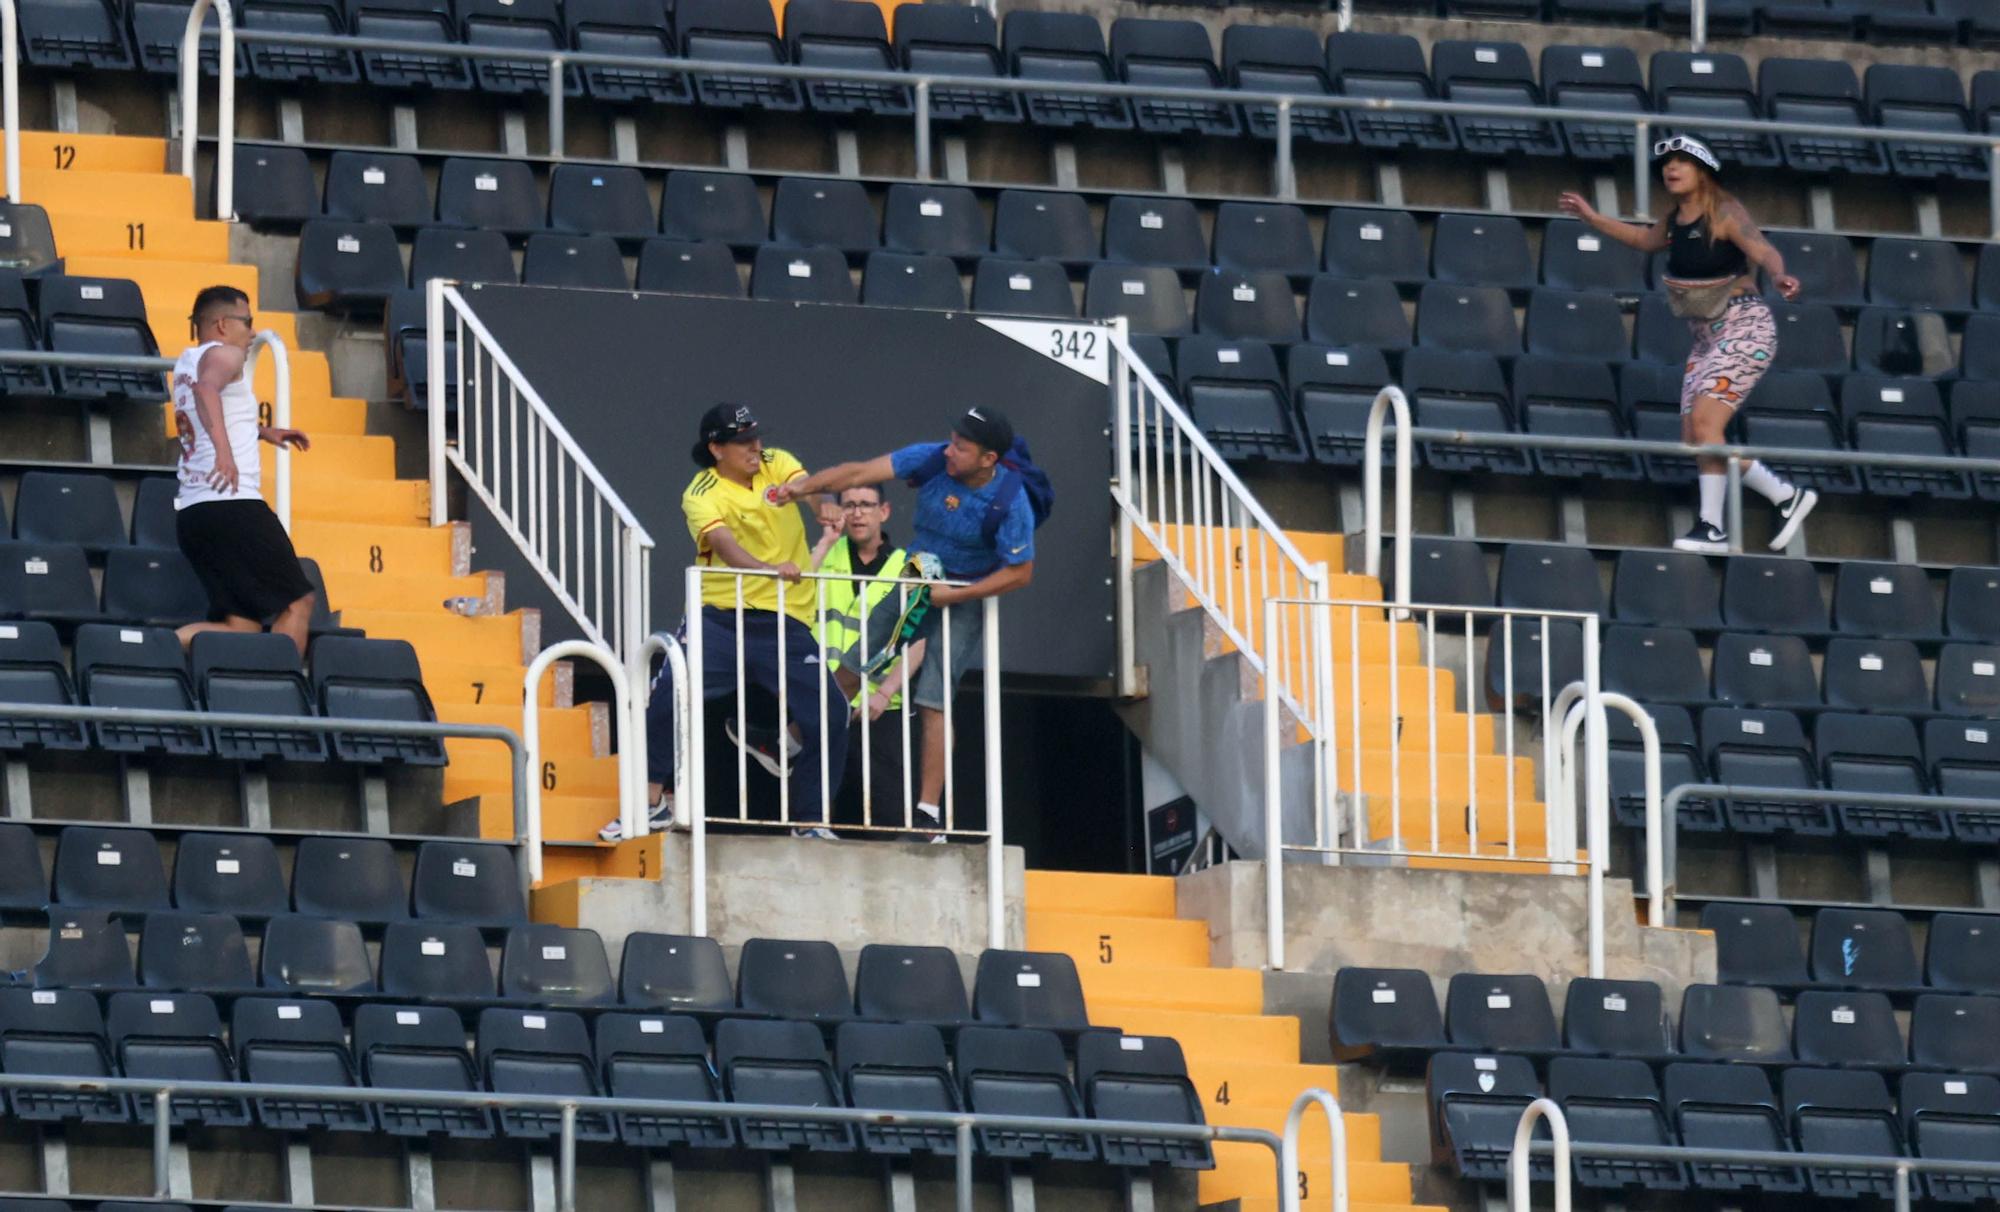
(1765, 482)
(1713, 487)
(930, 811)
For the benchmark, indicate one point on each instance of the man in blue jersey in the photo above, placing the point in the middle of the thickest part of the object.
(958, 487)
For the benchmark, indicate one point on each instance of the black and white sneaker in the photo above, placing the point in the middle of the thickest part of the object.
(763, 747)
(1794, 512)
(1705, 538)
(659, 817)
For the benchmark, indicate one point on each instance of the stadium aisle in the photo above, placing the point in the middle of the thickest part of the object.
(1147, 972)
(119, 212)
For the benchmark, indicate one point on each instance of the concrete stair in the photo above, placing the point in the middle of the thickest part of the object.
(1147, 971)
(1203, 702)
(118, 211)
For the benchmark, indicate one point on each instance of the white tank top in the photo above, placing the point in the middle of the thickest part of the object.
(239, 421)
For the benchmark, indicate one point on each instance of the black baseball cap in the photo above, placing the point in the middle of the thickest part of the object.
(986, 426)
(723, 423)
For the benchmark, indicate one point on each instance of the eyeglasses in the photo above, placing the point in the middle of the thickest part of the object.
(244, 319)
(859, 506)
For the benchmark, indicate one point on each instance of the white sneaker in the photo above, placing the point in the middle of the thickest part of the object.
(760, 752)
(1707, 539)
(817, 831)
(1794, 512)
(658, 817)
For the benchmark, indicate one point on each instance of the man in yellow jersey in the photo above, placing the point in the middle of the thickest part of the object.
(737, 521)
(862, 548)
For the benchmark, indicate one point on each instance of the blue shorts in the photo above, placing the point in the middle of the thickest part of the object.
(968, 630)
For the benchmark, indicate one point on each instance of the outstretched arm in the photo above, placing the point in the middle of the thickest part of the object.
(1645, 239)
(838, 478)
(1742, 231)
(992, 585)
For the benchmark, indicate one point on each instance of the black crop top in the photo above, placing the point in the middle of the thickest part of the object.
(1692, 256)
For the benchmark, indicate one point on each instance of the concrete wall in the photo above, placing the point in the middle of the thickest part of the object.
(849, 893)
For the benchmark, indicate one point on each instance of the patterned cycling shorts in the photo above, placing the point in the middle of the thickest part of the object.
(1729, 355)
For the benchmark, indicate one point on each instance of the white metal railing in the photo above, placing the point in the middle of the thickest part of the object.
(225, 101)
(1293, 1192)
(1518, 1196)
(281, 415)
(670, 650)
(1175, 493)
(1570, 710)
(631, 743)
(832, 699)
(1394, 777)
(1389, 400)
(10, 95)
(542, 489)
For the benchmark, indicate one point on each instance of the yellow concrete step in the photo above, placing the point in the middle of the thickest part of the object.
(1493, 866)
(389, 550)
(478, 765)
(1216, 990)
(1246, 1170)
(1184, 541)
(1272, 1038)
(1454, 823)
(440, 631)
(480, 685)
(1269, 1203)
(312, 378)
(172, 285)
(337, 498)
(1453, 782)
(349, 589)
(577, 818)
(1379, 729)
(1364, 1132)
(554, 899)
(56, 151)
(131, 197)
(157, 236)
(1228, 1081)
(346, 456)
(1091, 892)
(565, 730)
(327, 415)
(1144, 942)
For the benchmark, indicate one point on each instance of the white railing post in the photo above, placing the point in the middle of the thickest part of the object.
(1698, 25)
(1121, 441)
(1518, 1196)
(435, 401)
(10, 95)
(1274, 824)
(1571, 713)
(996, 844)
(225, 102)
(1389, 398)
(631, 791)
(697, 762)
(1597, 795)
(281, 414)
(1288, 1189)
(660, 643)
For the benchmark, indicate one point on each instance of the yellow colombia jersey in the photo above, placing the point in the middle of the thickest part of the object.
(774, 534)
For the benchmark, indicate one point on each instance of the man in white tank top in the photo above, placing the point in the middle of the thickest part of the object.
(236, 544)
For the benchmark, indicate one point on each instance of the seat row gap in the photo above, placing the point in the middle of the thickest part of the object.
(63, 105)
(1499, 197)
(420, 1178)
(781, 1186)
(736, 148)
(1819, 205)
(98, 428)
(1575, 522)
(375, 800)
(660, 1183)
(299, 1172)
(899, 1186)
(1902, 540)
(1881, 884)
(1139, 1192)
(1762, 860)
(1018, 1189)
(1604, 189)
(1173, 170)
(1986, 883)
(1464, 514)
(957, 163)
(180, 1171)
(847, 152)
(55, 1162)
(1062, 164)
(291, 120)
(1389, 183)
(138, 783)
(1930, 222)
(514, 133)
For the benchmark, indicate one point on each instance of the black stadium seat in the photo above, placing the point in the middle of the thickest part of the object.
(546, 1053)
(1959, 955)
(1729, 1107)
(74, 33)
(1874, 675)
(897, 1067)
(680, 973)
(1846, 1027)
(598, 199)
(1236, 395)
(549, 965)
(1680, 762)
(735, 33)
(893, 279)
(1599, 78)
(689, 267)
(297, 1043)
(1449, 572)
(1574, 324)
(663, 1058)
(1388, 1016)
(86, 950)
(1389, 66)
(956, 40)
(1616, 1018)
(1577, 258)
(1463, 390)
(1902, 416)
(941, 219)
(630, 28)
(351, 878)
(1876, 754)
(516, 25)
(1968, 679)
(1733, 1022)
(1848, 1112)
(1673, 588)
(1493, 73)
(1689, 86)
(274, 186)
(99, 316)
(255, 673)
(315, 956)
(1281, 59)
(1255, 306)
(1763, 671)
(1481, 250)
(586, 262)
(194, 951)
(175, 1037)
(419, 1048)
(1772, 593)
(1375, 243)
(1149, 296)
(229, 873)
(1152, 53)
(1155, 231)
(466, 256)
(1020, 1072)
(136, 667)
(1864, 949)
(1347, 311)
(1004, 286)
(109, 868)
(801, 275)
(347, 266)
(365, 679)
(1029, 989)
(1334, 389)
(57, 1033)
(1824, 264)
(1822, 92)
(49, 581)
(1755, 945)
(1903, 96)
(780, 1064)
(844, 34)
(1956, 1118)
(377, 188)
(793, 978)
(1794, 408)
(496, 195)
(1063, 48)
(1749, 747)
(1917, 274)
(1809, 338)
(435, 961)
(23, 882)
(20, 332)
(1615, 1102)
(466, 881)
(408, 21)
(1141, 1078)
(1490, 1013)
(1574, 397)
(1259, 236)
(807, 212)
(910, 985)
(1044, 225)
(1654, 665)
(1475, 1105)
(1466, 319)
(712, 206)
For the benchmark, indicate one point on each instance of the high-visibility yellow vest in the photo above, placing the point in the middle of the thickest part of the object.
(844, 602)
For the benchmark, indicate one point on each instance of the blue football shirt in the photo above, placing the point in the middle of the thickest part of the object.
(951, 519)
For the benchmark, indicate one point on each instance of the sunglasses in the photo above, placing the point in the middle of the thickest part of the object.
(1686, 147)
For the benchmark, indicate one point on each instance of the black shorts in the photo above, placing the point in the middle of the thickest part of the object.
(243, 557)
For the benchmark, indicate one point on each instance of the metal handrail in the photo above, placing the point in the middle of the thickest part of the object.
(962, 1123)
(225, 100)
(1289, 1199)
(923, 84)
(1570, 710)
(10, 95)
(631, 754)
(676, 658)
(1517, 1160)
